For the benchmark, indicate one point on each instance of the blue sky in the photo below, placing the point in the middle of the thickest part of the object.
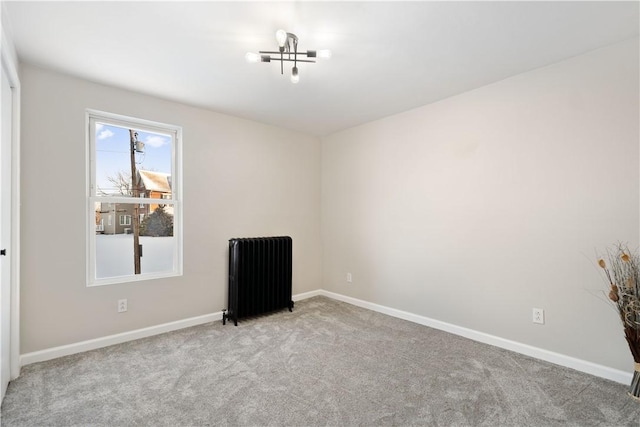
(113, 155)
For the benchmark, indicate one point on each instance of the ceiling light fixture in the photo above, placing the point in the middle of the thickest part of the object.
(288, 47)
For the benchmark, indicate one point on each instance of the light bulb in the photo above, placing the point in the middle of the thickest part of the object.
(281, 37)
(252, 57)
(324, 53)
(295, 78)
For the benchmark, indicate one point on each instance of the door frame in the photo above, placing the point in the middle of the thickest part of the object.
(10, 67)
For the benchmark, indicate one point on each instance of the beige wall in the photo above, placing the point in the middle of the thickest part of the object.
(470, 211)
(476, 209)
(241, 179)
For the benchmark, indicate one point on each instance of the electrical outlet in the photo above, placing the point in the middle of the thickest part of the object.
(349, 278)
(538, 316)
(122, 305)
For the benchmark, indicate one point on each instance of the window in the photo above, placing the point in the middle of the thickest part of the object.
(125, 219)
(132, 163)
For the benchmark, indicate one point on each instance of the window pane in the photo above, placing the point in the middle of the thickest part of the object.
(115, 243)
(113, 163)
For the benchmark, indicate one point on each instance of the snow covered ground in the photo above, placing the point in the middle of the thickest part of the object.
(114, 254)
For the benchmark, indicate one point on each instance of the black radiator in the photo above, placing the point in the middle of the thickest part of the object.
(259, 276)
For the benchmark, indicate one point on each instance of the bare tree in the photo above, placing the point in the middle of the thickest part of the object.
(120, 184)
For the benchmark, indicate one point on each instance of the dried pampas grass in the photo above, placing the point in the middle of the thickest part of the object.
(623, 271)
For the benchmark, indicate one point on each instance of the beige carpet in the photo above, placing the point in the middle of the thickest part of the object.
(327, 363)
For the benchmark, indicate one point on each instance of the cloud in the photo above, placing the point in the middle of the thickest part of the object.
(156, 141)
(105, 134)
(99, 126)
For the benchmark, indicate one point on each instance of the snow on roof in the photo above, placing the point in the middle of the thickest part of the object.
(156, 181)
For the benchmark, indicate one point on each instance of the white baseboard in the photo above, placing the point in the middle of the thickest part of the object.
(305, 295)
(79, 347)
(538, 353)
(549, 356)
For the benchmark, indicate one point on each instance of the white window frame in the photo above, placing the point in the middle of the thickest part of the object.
(125, 219)
(93, 116)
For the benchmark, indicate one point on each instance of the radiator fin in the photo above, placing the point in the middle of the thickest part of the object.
(259, 276)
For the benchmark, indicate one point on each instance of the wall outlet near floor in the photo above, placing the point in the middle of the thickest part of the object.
(538, 316)
(349, 278)
(122, 305)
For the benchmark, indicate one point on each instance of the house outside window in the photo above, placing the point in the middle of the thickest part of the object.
(132, 158)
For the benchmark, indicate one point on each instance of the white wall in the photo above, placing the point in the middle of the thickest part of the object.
(241, 179)
(476, 209)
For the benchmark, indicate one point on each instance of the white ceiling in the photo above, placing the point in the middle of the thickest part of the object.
(388, 57)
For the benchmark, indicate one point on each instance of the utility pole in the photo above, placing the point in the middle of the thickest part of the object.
(135, 221)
